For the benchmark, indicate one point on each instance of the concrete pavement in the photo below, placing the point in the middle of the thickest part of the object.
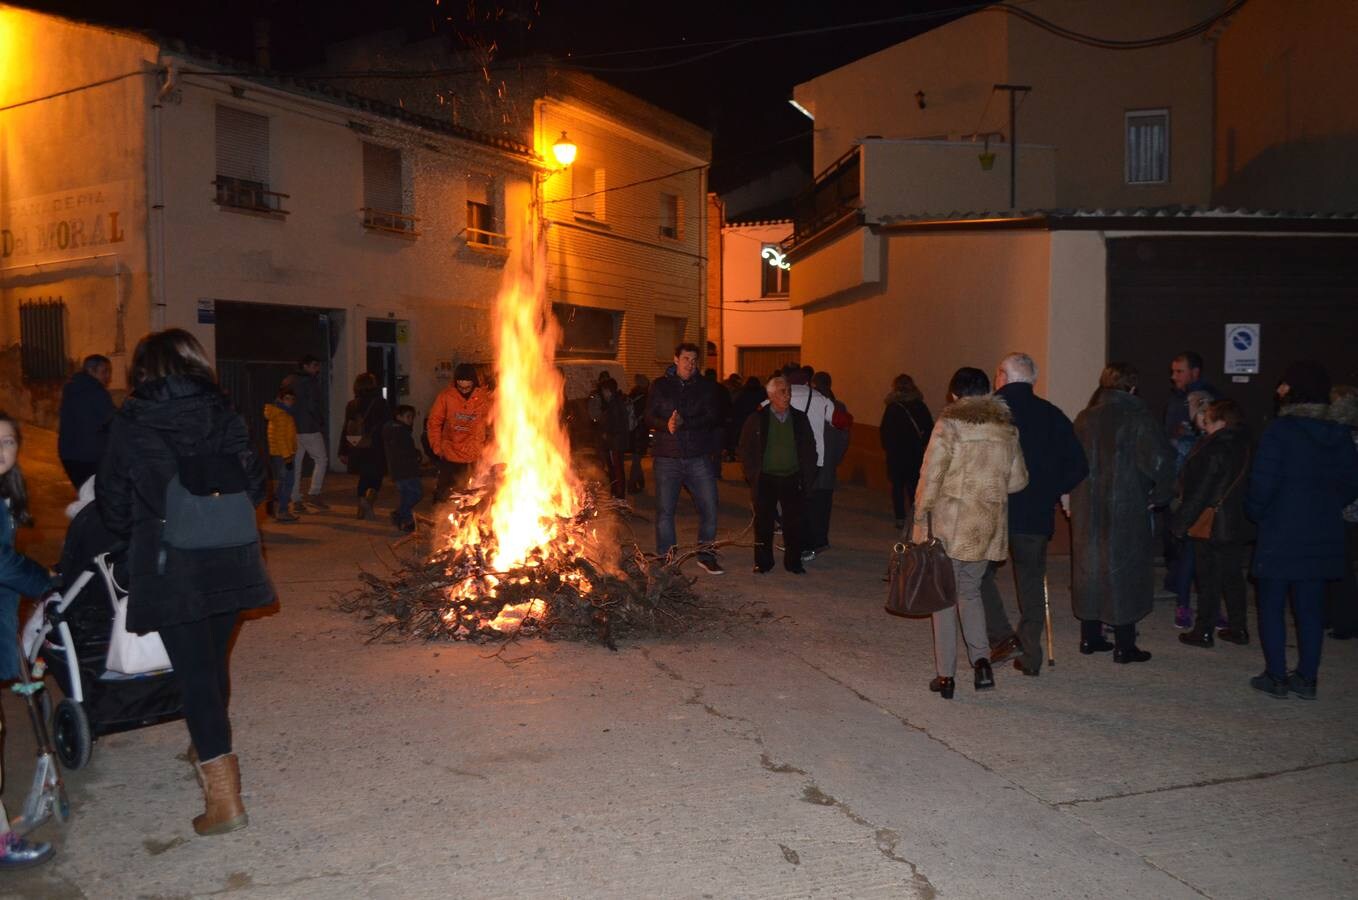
(793, 755)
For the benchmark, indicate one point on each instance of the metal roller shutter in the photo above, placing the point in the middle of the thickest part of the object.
(1170, 294)
(382, 178)
(242, 145)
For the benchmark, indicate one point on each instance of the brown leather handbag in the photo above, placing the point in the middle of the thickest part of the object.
(921, 577)
(1201, 529)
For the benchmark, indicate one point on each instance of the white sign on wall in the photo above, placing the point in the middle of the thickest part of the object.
(1242, 349)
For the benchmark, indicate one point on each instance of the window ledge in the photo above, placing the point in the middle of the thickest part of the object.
(391, 232)
(591, 222)
(278, 215)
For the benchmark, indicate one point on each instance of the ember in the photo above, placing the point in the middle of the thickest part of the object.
(525, 550)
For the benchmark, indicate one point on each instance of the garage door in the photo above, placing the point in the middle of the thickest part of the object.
(761, 362)
(1169, 294)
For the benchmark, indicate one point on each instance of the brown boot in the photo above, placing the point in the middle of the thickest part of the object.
(221, 796)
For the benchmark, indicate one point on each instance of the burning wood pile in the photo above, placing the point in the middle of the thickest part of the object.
(528, 549)
(597, 587)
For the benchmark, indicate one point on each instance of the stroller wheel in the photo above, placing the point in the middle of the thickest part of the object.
(71, 734)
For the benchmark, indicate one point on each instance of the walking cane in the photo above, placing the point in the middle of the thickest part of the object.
(1046, 603)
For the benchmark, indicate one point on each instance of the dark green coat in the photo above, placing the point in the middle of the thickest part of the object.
(1131, 468)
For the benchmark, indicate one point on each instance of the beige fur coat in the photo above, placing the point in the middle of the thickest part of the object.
(971, 467)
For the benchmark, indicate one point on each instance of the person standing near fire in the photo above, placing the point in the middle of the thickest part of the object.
(682, 409)
(456, 429)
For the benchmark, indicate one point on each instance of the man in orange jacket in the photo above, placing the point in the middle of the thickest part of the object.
(457, 429)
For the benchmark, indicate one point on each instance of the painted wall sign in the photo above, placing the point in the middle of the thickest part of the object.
(65, 225)
(1242, 349)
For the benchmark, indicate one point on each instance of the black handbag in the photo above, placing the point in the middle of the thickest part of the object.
(920, 577)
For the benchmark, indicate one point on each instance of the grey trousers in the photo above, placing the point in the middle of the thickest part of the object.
(970, 611)
(1028, 554)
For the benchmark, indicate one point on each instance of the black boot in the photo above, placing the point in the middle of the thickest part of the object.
(943, 686)
(1198, 638)
(1092, 639)
(985, 677)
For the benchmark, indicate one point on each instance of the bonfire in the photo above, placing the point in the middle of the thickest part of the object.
(529, 548)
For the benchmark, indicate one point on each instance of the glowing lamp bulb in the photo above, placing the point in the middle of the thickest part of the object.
(564, 150)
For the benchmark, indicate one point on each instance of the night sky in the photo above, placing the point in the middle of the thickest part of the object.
(739, 93)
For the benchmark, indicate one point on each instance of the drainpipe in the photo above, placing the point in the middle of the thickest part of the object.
(156, 214)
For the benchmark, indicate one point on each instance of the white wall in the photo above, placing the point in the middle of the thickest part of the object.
(320, 255)
(750, 321)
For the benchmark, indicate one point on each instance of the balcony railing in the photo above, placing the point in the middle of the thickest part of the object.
(389, 222)
(833, 195)
(481, 240)
(250, 196)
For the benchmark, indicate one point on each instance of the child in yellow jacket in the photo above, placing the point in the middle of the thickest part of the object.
(282, 449)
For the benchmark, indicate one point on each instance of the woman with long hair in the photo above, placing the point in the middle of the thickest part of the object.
(906, 425)
(177, 443)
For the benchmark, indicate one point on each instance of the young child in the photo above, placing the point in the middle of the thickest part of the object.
(282, 449)
(403, 462)
(18, 575)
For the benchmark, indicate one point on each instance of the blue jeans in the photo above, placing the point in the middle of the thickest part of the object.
(410, 492)
(671, 475)
(282, 482)
(1308, 603)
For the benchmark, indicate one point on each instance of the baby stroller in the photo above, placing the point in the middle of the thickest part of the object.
(71, 632)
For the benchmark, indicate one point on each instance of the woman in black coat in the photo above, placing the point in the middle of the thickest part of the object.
(177, 439)
(361, 447)
(905, 429)
(1304, 473)
(1214, 476)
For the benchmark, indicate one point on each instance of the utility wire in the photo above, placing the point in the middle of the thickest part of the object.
(77, 89)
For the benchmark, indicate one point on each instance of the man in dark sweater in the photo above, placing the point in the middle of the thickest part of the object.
(682, 410)
(86, 409)
(1056, 464)
(778, 453)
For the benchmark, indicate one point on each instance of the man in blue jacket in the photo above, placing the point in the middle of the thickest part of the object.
(1056, 464)
(86, 409)
(682, 410)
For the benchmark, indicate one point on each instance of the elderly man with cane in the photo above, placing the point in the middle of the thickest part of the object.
(1056, 464)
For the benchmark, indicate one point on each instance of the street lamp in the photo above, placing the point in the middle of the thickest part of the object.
(564, 150)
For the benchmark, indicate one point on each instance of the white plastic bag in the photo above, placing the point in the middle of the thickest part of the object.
(133, 654)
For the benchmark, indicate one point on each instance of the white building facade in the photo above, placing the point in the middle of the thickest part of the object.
(272, 218)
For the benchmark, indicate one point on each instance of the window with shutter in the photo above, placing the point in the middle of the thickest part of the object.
(382, 179)
(243, 161)
(669, 215)
(384, 199)
(1147, 146)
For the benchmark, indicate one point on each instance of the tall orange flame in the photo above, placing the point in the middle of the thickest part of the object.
(538, 486)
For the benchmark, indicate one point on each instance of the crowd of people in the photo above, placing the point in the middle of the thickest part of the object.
(986, 476)
(997, 465)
